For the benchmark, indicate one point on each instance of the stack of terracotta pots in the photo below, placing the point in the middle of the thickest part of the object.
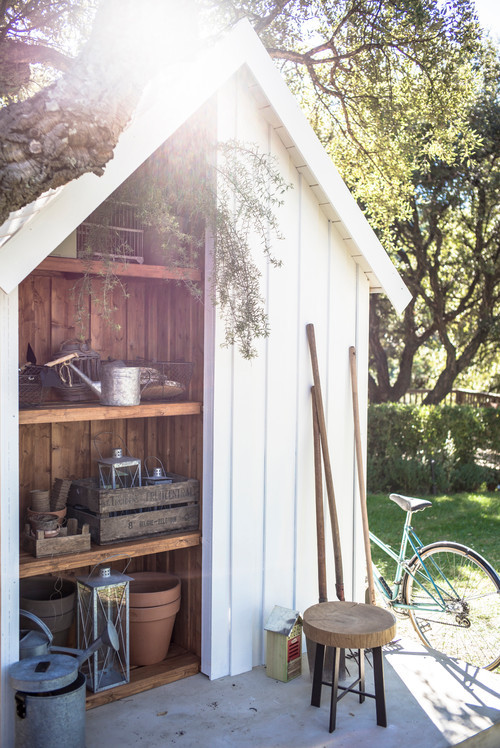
(154, 601)
(52, 600)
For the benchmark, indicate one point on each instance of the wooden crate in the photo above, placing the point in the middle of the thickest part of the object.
(67, 542)
(127, 513)
(86, 493)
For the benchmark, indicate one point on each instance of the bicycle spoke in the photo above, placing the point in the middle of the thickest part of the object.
(468, 624)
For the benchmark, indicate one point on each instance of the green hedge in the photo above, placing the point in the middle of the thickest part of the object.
(421, 449)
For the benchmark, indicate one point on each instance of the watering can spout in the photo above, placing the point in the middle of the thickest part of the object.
(108, 638)
(119, 385)
(94, 386)
(67, 361)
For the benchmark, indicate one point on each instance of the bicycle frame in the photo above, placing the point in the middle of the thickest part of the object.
(394, 594)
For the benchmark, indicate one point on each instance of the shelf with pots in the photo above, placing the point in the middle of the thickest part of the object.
(30, 566)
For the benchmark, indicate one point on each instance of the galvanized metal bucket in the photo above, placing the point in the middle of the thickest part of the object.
(53, 719)
(120, 385)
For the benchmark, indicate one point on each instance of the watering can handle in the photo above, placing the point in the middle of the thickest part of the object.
(35, 619)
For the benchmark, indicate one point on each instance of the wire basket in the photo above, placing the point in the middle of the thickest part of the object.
(164, 380)
(30, 386)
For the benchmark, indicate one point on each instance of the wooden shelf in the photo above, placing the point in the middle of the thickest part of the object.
(123, 269)
(178, 664)
(62, 412)
(29, 566)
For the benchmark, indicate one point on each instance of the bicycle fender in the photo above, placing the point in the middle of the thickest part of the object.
(458, 547)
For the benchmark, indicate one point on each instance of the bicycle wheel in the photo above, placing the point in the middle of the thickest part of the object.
(465, 594)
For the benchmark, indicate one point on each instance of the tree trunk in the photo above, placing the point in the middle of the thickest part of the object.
(72, 127)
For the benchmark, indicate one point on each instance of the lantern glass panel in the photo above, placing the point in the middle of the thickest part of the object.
(98, 604)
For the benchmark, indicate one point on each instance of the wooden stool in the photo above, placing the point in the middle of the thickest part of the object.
(347, 625)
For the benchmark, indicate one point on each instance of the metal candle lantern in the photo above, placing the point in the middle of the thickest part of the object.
(102, 599)
(157, 475)
(120, 470)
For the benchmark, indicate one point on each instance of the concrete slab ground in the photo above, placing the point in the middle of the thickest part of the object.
(432, 702)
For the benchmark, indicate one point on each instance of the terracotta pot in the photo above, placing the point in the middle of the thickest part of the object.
(52, 600)
(154, 601)
(60, 514)
(149, 588)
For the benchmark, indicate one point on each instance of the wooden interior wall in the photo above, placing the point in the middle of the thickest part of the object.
(157, 319)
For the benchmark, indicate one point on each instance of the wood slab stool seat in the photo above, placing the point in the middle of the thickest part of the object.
(348, 625)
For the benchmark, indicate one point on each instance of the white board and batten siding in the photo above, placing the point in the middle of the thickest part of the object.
(259, 517)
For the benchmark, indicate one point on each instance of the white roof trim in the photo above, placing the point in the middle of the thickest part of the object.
(31, 233)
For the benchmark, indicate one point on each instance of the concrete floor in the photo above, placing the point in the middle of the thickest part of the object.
(432, 702)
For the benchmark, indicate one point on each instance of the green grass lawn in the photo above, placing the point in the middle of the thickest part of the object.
(468, 518)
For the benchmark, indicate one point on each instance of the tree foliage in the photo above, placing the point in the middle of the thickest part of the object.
(370, 73)
(388, 85)
(448, 250)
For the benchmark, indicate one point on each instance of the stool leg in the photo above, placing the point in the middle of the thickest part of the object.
(378, 674)
(335, 687)
(361, 655)
(317, 675)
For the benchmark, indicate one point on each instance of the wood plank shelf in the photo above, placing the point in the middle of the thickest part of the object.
(64, 413)
(123, 269)
(178, 664)
(30, 566)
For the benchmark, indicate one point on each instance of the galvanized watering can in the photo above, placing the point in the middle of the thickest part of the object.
(50, 690)
(119, 385)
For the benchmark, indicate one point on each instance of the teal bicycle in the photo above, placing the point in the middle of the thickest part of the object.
(450, 592)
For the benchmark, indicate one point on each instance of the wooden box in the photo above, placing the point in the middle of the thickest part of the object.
(66, 542)
(127, 513)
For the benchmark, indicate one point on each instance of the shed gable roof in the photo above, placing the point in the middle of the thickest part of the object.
(30, 234)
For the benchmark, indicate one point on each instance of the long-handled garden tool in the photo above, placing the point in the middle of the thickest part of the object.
(339, 573)
(361, 475)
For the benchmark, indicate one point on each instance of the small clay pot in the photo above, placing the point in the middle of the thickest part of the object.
(60, 514)
(43, 521)
(49, 523)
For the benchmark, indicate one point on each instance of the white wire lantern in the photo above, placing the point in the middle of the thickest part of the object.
(104, 598)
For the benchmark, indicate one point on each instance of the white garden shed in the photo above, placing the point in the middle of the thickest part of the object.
(246, 433)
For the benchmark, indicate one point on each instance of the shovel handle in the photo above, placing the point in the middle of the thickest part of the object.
(361, 474)
(320, 414)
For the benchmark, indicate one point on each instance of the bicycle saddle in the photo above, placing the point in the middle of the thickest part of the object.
(409, 504)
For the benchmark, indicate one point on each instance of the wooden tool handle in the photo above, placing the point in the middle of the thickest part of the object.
(361, 475)
(337, 552)
(62, 359)
(320, 517)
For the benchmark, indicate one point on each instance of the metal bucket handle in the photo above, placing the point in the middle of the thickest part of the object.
(41, 624)
(115, 436)
(152, 457)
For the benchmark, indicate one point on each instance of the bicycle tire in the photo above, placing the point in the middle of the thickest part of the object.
(470, 627)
